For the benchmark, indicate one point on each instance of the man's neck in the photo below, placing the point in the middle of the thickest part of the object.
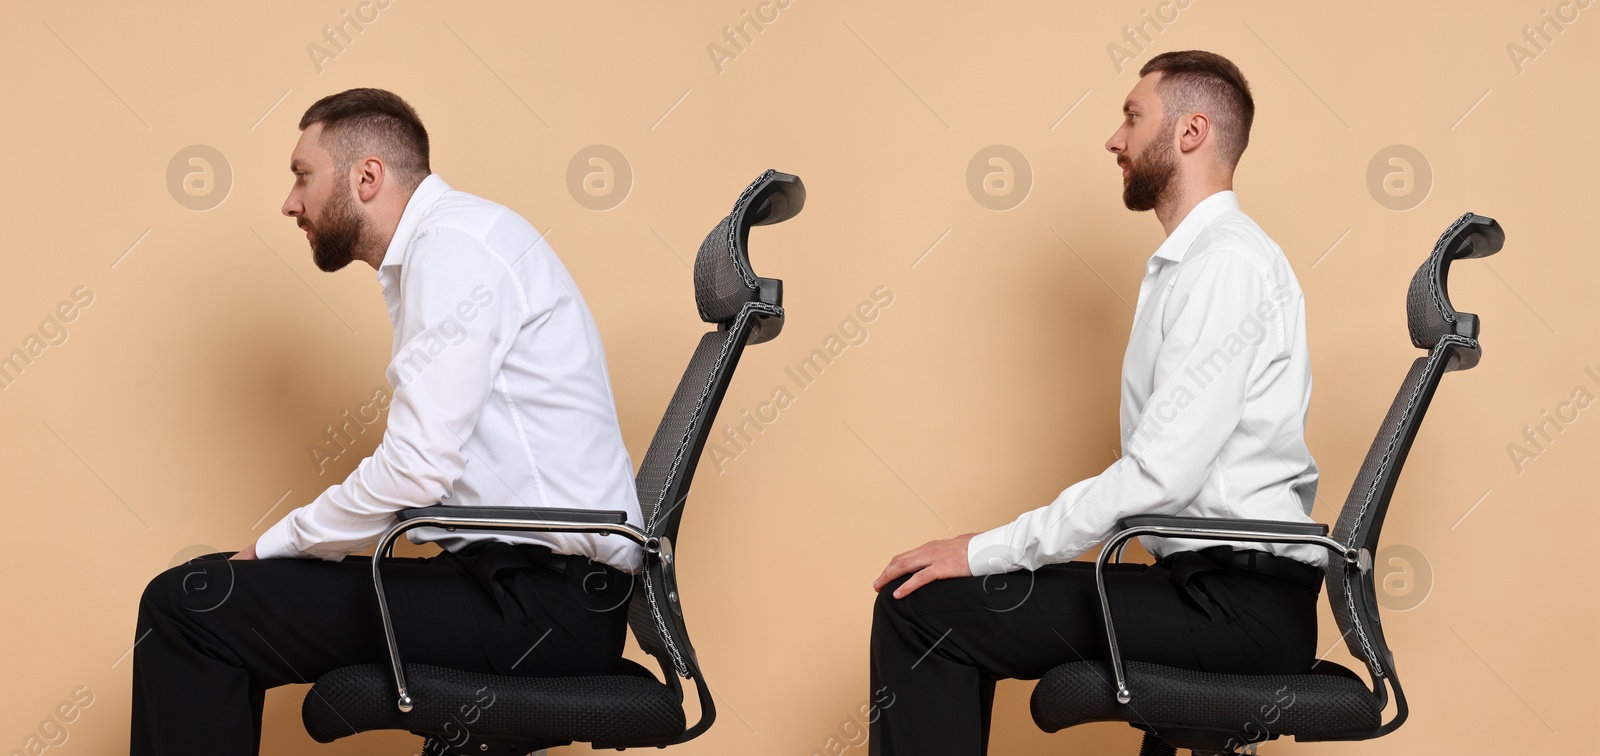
(385, 219)
(373, 255)
(1185, 195)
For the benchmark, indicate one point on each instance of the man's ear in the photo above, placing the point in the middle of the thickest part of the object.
(1195, 128)
(371, 175)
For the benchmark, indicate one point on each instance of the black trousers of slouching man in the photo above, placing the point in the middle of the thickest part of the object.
(214, 634)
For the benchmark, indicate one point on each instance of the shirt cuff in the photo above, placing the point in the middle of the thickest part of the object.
(274, 543)
(278, 543)
(988, 553)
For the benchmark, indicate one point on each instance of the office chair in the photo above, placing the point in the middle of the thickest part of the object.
(1216, 713)
(461, 712)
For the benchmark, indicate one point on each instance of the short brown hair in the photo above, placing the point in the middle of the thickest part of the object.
(1205, 82)
(361, 122)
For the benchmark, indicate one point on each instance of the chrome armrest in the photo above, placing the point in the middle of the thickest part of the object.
(593, 516)
(1257, 526)
(1205, 528)
(453, 518)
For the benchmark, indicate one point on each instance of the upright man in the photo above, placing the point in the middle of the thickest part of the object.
(1215, 387)
(501, 398)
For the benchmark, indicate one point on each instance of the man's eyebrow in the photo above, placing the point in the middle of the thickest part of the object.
(295, 164)
(1129, 105)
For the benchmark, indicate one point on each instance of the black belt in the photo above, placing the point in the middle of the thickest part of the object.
(1266, 563)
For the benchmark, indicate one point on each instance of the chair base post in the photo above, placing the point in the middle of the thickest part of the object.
(1196, 742)
(433, 746)
(1155, 746)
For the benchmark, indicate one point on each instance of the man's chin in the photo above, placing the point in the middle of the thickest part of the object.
(330, 265)
(1137, 207)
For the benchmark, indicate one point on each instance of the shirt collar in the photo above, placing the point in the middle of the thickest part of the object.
(417, 206)
(1200, 216)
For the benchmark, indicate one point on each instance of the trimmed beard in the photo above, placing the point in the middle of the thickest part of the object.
(1149, 178)
(339, 232)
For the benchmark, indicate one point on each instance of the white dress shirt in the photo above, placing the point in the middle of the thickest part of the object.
(501, 393)
(1216, 383)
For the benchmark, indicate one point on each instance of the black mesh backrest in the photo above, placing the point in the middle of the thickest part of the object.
(747, 310)
(1451, 340)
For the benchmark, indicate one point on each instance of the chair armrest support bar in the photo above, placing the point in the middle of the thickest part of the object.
(413, 518)
(1237, 530)
(597, 516)
(1210, 523)
(1259, 526)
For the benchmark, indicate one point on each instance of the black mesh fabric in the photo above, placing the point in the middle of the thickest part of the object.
(656, 616)
(664, 464)
(1428, 315)
(664, 477)
(1361, 518)
(1330, 702)
(671, 447)
(645, 630)
(1364, 500)
(720, 287)
(723, 281)
(612, 709)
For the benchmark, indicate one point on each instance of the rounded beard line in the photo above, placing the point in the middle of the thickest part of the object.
(1152, 193)
(335, 247)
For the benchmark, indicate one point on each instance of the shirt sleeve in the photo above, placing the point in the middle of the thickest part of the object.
(1202, 375)
(461, 311)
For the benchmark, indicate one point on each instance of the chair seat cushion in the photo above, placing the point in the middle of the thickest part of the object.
(612, 709)
(1332, 700)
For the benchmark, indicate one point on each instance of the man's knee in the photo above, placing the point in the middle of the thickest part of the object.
(887, 605)
(199, 585)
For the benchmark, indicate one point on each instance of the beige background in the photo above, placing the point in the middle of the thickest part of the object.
(176, 416)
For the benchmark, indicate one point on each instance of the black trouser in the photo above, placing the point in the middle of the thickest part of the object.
(937, 653)
(214, 634)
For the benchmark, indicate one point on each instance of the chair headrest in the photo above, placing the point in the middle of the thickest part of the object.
(723, 279)
(1428, 311)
